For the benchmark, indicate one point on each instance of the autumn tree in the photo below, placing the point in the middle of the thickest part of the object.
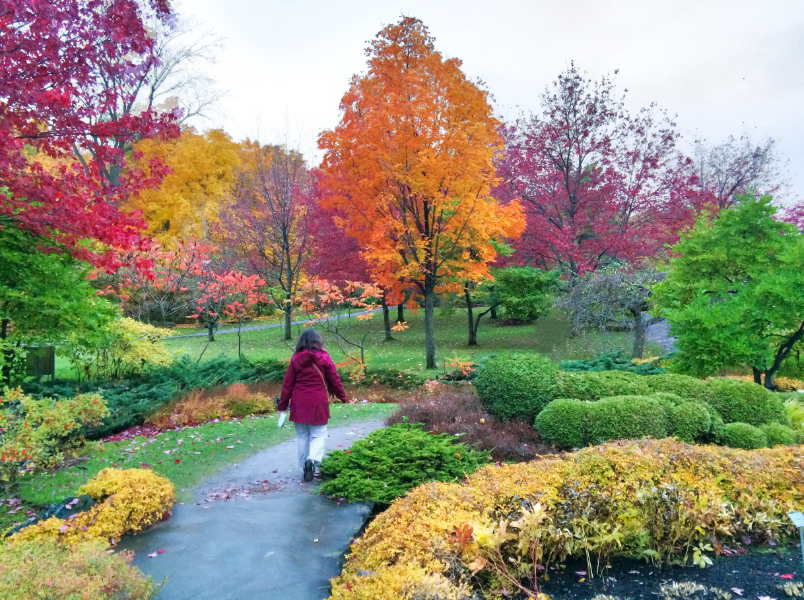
(190, 198)
(410, 168)
(735, 167)
(52, 57)
(598, 184)
(335, 257)
(268, 220)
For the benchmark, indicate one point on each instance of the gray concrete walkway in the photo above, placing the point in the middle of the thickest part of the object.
(254, 531)
(659, 334)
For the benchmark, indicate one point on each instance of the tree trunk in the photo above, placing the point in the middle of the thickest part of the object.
(5, 376)
(429, 325)
(386, 320)
(400, 312)
(211, 330)
(493, 306)
(639, 333)
(781, 355)
(757, 376)
(288, 319)
(470, 314)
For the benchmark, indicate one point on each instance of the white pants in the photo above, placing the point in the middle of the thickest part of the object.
(310, 440)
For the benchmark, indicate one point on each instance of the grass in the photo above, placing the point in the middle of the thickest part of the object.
(203, 452)
(406, 352)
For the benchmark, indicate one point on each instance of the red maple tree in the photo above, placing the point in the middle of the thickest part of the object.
(56, 59)
(597, 184)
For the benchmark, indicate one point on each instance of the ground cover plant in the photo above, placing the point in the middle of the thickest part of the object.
(127, 501)
(615, 361)
(48, 569)
(457, 411)
(392, 461)
(221, 402)
(662, 501)
(131, 401)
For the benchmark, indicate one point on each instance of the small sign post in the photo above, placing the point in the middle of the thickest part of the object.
(798, 521)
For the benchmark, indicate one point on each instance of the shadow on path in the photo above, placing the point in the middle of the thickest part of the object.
(255, 531)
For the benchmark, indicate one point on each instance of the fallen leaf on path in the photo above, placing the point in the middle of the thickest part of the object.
(738, 591)
(161, 551)
(152, 555)
(787, 576)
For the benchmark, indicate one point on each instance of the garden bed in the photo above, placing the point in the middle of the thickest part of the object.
(750, 574)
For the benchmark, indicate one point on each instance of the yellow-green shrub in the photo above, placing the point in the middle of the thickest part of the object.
(47, 569)
(236, 400)
(651, 499)
(34, 433)
(128, 501)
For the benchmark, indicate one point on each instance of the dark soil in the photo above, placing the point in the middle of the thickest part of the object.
(753, 574)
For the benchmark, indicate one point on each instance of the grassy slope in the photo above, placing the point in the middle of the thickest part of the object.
(199, 457)
(549, 336)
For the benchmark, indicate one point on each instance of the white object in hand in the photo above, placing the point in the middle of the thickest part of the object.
(282, 418)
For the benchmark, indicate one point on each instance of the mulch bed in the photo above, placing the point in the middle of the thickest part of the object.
(757, 573)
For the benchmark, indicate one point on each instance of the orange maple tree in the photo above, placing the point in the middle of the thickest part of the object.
(410, 169)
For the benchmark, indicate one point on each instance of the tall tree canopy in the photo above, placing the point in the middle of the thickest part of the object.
(733, 292)
(56, 61)
(410, 169)
(597, 183)
(189, 200)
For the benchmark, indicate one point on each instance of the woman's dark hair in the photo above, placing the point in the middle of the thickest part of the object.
(309, 339)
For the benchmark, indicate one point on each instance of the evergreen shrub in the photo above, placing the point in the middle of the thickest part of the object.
(612, 361)
(779, 435)
(390, 462)
(594, 385)
(686, 387)
(563, 423)
(690, 421)
(517, 386)
(626, 417)
(746, 402)
(745, 436)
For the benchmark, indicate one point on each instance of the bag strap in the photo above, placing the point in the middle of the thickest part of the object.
(323, 379)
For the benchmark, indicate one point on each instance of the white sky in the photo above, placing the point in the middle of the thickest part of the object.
(723, 66)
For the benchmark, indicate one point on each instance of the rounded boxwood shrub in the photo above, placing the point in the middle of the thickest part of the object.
(690, 421)
(594, 385)
(746, 402)
(667, 400)
(563, 423)
(745, 436)
(779, 435)
(517, 386)
(626, 417)
(686, 387)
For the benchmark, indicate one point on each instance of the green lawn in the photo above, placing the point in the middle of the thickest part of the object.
(548, 336)
(204, 451)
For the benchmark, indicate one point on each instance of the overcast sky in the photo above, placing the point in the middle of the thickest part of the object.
(724, 67)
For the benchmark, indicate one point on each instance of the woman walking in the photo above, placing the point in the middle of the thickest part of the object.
(311, 376)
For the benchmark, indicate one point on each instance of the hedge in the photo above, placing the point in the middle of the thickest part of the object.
(517, 386)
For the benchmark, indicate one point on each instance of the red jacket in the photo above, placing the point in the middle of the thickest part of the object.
(304, 384)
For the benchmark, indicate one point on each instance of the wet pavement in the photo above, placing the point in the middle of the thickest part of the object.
(254, 531)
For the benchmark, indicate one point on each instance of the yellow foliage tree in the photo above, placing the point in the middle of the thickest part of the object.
(410, 168)
(190, 198)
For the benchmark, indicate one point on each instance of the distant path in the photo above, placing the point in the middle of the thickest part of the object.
(659, 334)
(272, 325)
(255, 531)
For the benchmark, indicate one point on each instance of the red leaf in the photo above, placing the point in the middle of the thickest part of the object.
(178, 461)
(161, 551)
(787, 576)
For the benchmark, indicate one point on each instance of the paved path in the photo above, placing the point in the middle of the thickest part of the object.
(255, 531)
(274, 325)
(659, 334)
